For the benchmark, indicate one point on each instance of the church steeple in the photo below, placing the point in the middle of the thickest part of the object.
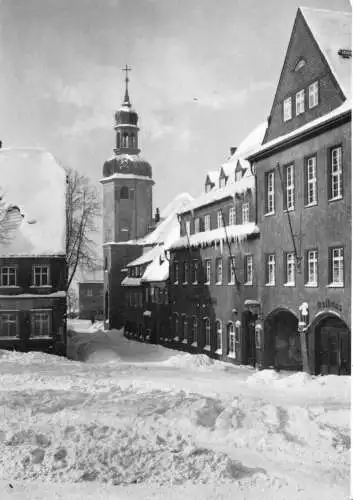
(126, 120)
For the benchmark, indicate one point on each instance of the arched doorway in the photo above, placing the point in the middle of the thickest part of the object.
(282, 340)
(333, 346)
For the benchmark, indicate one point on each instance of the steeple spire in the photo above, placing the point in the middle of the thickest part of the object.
(126, 98)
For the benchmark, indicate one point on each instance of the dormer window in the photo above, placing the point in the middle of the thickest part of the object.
(313, 94)
(238, 175)
(300, 64)
(222, 182)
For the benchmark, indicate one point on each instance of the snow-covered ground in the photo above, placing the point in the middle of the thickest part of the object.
(142, 421)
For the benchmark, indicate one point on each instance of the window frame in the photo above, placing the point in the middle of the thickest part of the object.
(194, 271)
(2, 274)
(289, 188)
(218, 270)
(286, 267)
(219, 335)
(207, 333)
(300, 102)
(208, 273)
(219, 219)
(245, 205)
(186, 273)
(332, 282)
(40, 266)
(308, 282)
(339, 196)
(247, 259)
(207, 226)
(268, 274)
(176, 272)
(314, 84)
(9, 312)
(310, 182)
(194, 331)
(231, 270)
(197, 225)
(35, 312)
(232, 221)
(287, 109)
(269, 194)
(231, 334)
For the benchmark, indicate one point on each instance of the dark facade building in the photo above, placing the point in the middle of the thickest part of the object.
(91, 299)
(127, 208)
(32, 252)
(303, 173)
(213, 277)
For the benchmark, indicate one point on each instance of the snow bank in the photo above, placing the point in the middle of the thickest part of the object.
(189, 361)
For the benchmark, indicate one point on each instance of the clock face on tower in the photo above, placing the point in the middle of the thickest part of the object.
(124, 163)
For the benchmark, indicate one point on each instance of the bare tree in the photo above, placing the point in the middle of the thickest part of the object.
(83, 207)
(72, 300)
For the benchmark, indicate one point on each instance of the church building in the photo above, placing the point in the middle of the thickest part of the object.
(127, 206)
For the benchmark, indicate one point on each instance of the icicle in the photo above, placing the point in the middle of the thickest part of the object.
(221, 246)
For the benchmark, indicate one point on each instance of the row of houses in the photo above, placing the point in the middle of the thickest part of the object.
(257, 269)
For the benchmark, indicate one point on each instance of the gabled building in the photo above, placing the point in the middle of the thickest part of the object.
(91, 294)
(213, 282)
(146, 286)
(33, 271)
(303, 177)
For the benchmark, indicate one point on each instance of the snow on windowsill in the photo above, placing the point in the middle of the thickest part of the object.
(207, 348)
(41, 286)
(10, 286)
(4, 337)
(219, 351)
(268, 214)
(336, 285)
(336, 198)
(312, 204)
(248, 283)
(270, 284)
(194, 344)
(185, 341)
(176, 339)
(38, 337)
(311, 285)
(289, 285)
(231, 355)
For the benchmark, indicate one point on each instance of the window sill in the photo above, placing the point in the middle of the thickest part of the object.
(219, 351)
(289, 285)
(312, 204)
(176, 283)
(207, 348)
(207, 283)
(37, 337)
(248, 283)
(311, 285)
(270, 284)
(41, 286)
(268, 214)
(335, 285)
(218, 283)
(195, 282)
(176, 339)
(231, 283)
(194, 344)
(185, 283)
(13, 337)
(336, 198)
(231, 355)
(286, 210)
(13, 287)
(185, 341)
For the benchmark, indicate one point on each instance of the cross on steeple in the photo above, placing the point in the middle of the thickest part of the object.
(126, 98)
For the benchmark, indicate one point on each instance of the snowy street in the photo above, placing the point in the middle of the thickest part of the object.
(142, 421)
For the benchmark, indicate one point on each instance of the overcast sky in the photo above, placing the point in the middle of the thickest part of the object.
(203, 76)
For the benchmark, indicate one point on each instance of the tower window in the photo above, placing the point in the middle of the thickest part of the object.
(124, 193)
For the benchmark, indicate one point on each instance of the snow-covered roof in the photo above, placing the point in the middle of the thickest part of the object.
(33, 180)
(346, 107)
(146, 257)
(53, 295)
(158, 270)
(168, 228)
(236, 233)
(333, 31)
(212, 176)
(129, 281)
(229, 191)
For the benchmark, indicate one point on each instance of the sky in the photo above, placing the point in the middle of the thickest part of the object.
(204, 74)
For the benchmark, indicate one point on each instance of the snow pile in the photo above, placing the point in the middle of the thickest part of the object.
(186, 360)
(97, 326)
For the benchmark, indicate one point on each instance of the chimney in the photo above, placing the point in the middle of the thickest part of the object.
(233, 150)
(157, 216)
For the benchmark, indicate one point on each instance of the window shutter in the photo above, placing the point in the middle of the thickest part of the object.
(284, 180)
(330, 273)
(306, 201)
(329, 183)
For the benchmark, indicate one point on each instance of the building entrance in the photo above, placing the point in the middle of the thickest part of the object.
(333, 352)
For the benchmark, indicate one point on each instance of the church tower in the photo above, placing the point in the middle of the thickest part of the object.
(127, 204)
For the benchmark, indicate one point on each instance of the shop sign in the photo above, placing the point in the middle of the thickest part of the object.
(329, 304)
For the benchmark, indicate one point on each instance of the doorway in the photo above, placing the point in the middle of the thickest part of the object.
(282, 340)
(333, 347)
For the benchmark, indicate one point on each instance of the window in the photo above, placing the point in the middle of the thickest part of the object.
(176, 326)
(8, 324)
(124, 193)
(187, 227)
(185, 328)
(207, 222)
(41, 324)
(300, 64)
(222, 182)
(176, 272)
(288, 201)
(270, 192)
(231, 340)
(249, 270)
(8, 276)
(207, 330)
(185, 272)
(238, 175)
(300, 102)
(40, 275)
(219, 271)
(219, 219)
(245, 213)
(311, 268)
(335, 181)
(231, 270)
(271, 270)
(313, 94)
(194, 331)
(147, 295)
(194, 271)
(89, 292)
(232, 220)
(310, 182)
(208, 271)
(290, 269)
(336, 266)
(287, 109)
(197, 225)
(218, 325)
(237, 331)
